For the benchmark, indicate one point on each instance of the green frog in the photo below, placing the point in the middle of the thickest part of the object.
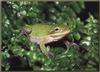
(43, 34)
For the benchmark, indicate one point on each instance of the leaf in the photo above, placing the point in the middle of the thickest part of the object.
(77, 36)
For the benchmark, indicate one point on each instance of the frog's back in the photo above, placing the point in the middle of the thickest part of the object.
(40, 29)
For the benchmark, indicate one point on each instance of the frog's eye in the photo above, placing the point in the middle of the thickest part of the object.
(57, 28)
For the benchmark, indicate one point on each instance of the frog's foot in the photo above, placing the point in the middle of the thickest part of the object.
(69, 44)
(51, 55)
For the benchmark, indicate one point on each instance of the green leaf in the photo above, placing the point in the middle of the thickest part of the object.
(77, 36)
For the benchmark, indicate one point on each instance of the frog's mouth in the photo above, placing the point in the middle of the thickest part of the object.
(53, 37)
(60, 34)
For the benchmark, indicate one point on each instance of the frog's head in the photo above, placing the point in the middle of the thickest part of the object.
(56, 30)
(59, 32)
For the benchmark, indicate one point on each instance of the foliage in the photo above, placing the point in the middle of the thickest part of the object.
(18, 53)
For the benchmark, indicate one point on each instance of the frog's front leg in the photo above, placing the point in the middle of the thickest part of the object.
(51, 55)
(45, 51)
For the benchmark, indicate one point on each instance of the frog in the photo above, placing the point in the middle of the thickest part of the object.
(43, 33)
